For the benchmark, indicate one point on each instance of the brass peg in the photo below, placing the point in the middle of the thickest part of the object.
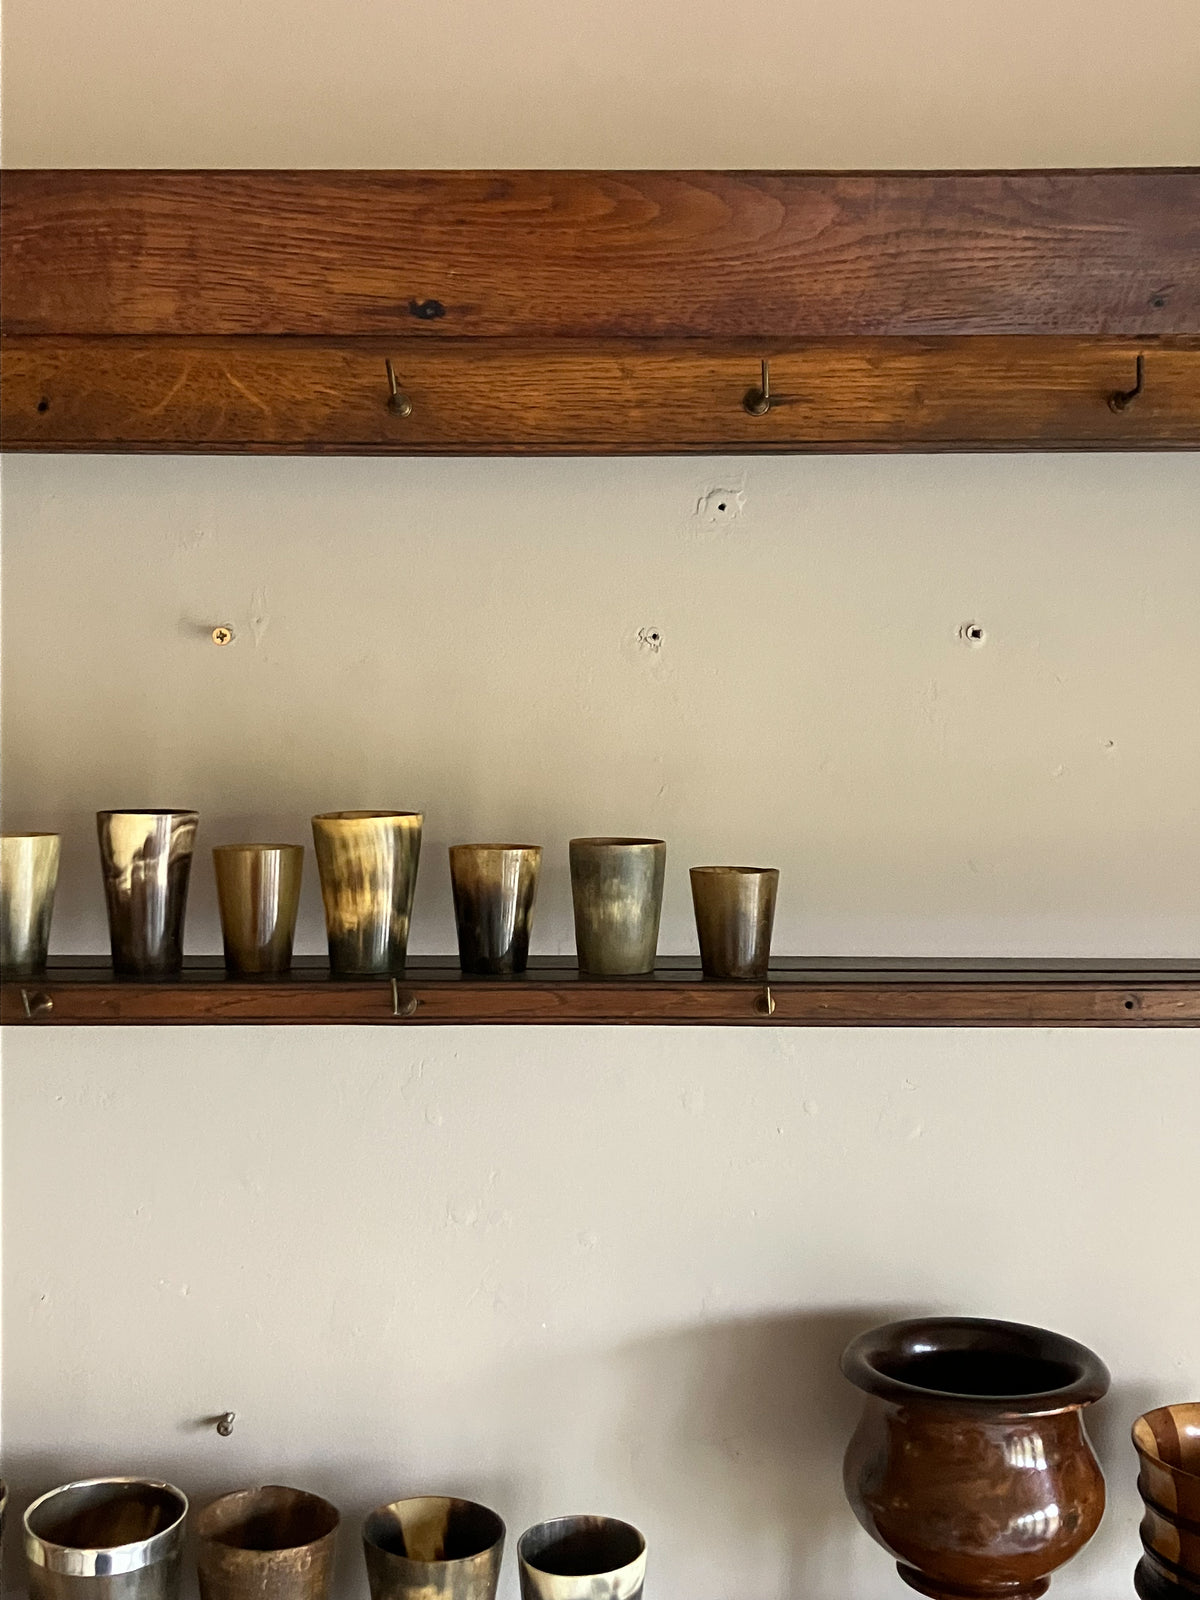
(403, 1003)
(398, 401)
(36, 1004)
(1124, 398)
(765, 1003)
(758, 401)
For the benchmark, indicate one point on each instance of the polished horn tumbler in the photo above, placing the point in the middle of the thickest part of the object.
(146, 859)
(494, 888)
(616, 888)
(271, 1543)
(106, 1539)
(433, 1548)
(258, 891)
(367, 861)
(1167, 1441)
(970, 1464)
(28, 879)
(582, 1558)
(735, 913)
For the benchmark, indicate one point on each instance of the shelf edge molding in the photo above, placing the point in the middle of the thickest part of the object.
(924, 995)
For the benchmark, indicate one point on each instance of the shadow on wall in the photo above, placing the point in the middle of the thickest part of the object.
(735, 1433)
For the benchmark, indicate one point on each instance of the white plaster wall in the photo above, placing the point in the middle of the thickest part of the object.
(605, 1268)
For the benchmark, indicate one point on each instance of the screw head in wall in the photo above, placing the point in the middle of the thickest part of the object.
(222, 634)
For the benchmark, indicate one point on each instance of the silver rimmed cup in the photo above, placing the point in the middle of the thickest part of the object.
(127, 1532)
(582, 1558)
(433, 1547)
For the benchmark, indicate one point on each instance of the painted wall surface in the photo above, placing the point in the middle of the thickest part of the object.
(605, 1269)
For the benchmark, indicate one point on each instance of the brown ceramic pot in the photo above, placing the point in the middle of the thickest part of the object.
(1168, 1445)
(970, 1464)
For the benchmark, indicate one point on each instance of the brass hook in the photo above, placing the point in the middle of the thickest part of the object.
(398, 401)
(765, 1004)
(758, 401)
(1125, 397)
(406, 1007)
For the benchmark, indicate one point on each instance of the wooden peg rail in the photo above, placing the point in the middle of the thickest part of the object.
(817, 992)
(599, 312)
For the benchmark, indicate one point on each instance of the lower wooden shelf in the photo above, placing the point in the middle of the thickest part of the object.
(805, 992)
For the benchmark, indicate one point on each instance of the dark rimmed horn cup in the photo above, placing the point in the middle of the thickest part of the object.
(271, 1543)
(494, 888)
(433, 1547)
(106, 1539)
(616, 890)
(582, 1558)
(735, 916)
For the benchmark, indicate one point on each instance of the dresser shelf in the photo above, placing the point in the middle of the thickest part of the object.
(804, 992)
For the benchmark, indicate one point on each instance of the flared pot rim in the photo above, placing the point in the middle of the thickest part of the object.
(103, 1561)
(1145, 1441)
(871, 1361)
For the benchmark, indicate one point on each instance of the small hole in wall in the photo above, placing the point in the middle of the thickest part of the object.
(973, 633)
(721, 505)
(43, 405)
(1129, 1005)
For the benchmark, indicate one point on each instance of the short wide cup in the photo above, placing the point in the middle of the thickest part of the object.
(434, 1547)
(106, 1539)
(146, 859)
(735, 914)
(494, 886)
(271, 1543)
(367, 861)
(617, 887)
(258, 890)
(582, 1558)
(1167, 1441)
(28, 879)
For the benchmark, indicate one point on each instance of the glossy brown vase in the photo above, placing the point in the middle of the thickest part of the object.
(272, 1543)
(146, 859)
(970, 1464)
(1167, 1441)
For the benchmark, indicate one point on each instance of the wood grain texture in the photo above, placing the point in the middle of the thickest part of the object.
(279, 395)
(602, 255)
(829, 994)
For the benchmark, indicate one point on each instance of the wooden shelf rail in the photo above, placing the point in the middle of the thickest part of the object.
(826, 992)
(599, 312)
